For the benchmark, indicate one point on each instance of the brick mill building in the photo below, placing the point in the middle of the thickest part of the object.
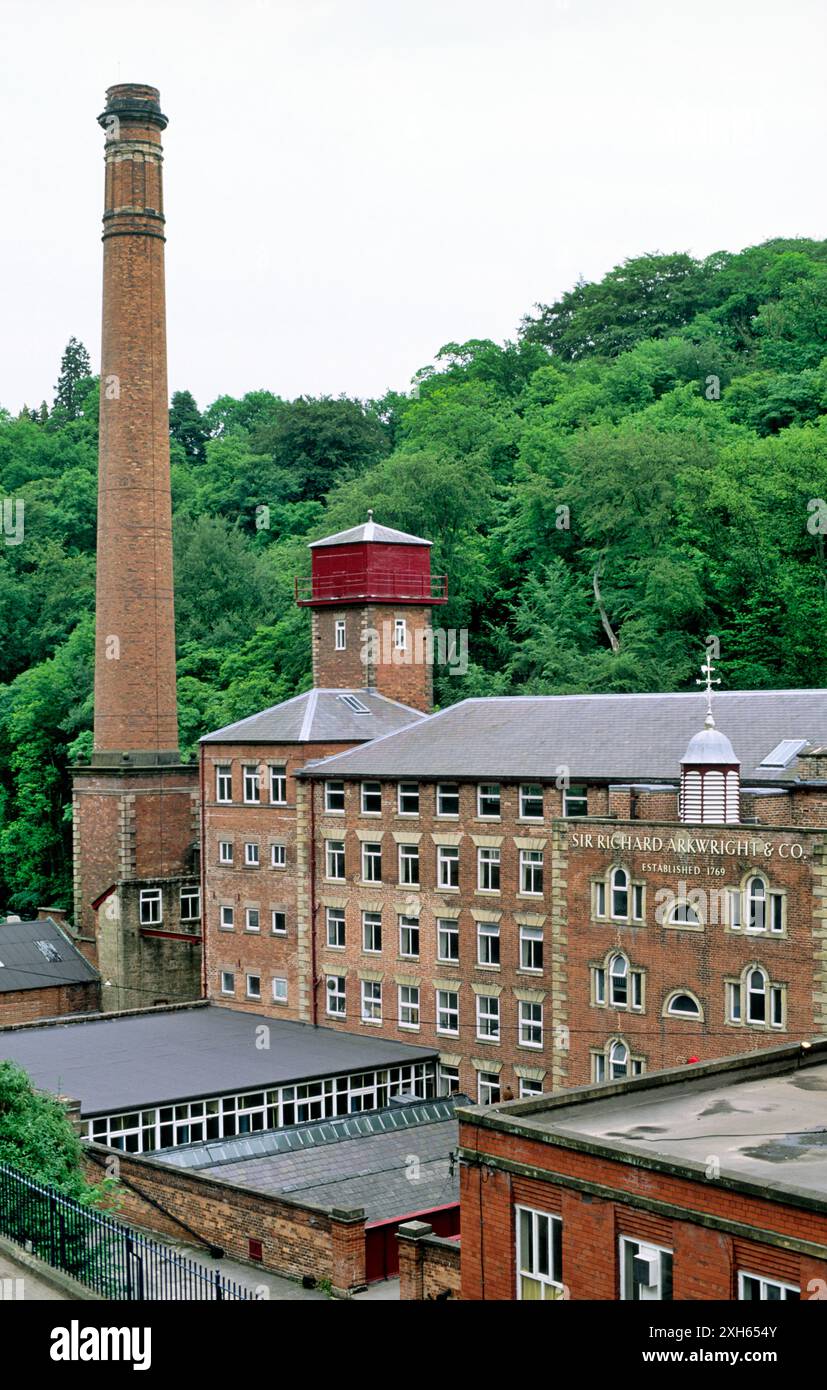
(704, 1183)
(136, 806)
(548, 890)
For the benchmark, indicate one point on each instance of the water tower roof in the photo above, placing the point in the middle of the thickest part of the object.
(370, 531)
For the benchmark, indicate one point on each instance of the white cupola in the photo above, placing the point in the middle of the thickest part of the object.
(710, 773)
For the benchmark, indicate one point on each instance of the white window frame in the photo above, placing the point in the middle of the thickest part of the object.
(489, 1018)
(488, 945)
(447, 866)
(489, 1088)
(334, 798)
(278, 784)
(408, 926)
(370, 1001)
(370, 789)
(278, 856)
(252, 920)
(447, 1011)
(449, 928)
(645, 1250)
(226, 917)
(486, 792)
(224, 782)
(225, 851)
(400, 634)
(335, 988)
(489, 865)
(340, 635)
(369, 928)
(407, 790)
(250, 992)
(530, 1026)
(531, 937)
(577, 795)
(531, 791)
(279, 995)
(334, 851)
(409, 866)
(151, 907)
(227, 975)
(549, 1281)
(764, 1283)
(410, 1009)
(371, 859)
(274, 913)
(335, 925)
(442, 794)
(529, 867)
(192, 892)
(251, 782)
(252, 854)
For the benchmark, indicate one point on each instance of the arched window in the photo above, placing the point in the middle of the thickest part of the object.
(618, 1060)
(682, 1005)
(756, 996)
(620, 893)
(756, 904)
(619, 981)
(683, 914)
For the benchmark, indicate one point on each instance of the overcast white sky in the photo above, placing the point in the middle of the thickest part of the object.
(352, 183)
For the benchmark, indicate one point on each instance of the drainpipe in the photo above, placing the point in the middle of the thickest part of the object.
(203, 875)
(312, 854)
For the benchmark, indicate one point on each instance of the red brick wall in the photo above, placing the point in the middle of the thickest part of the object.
(429, 1268)
(374, 664)
(26, 1005)
(297, 1241)
(706, 1260)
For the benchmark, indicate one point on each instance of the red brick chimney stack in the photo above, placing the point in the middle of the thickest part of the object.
(135, 695)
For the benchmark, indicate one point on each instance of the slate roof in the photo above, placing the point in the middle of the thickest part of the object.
(369, 531)
(126, 1062)
(355, 1161)
(320, 716)
(609, 737)
(23, 965)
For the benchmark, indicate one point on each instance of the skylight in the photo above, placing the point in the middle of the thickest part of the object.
(353, 703)
(784, 752)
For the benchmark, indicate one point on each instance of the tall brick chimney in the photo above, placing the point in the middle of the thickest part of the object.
(136, 807)
(135, 699)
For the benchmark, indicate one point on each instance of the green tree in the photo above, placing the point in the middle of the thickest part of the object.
(75, 369)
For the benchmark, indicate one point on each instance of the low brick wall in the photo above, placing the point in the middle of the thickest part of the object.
(296, 1240)
(429, 1265)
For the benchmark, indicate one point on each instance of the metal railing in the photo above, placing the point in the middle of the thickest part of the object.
(108, 1257)
(390, 584)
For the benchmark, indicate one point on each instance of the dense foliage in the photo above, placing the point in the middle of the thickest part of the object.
(36, 1138)
(645, 465)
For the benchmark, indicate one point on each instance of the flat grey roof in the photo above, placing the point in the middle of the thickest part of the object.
(614, 737)
(765, 1125)
(320, 716)
(129, 1061)
(24, 965)
(351, 1162)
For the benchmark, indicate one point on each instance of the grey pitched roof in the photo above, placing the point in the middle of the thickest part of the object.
(320, 716)
(369, 531)
(133, 1060)
(615, 737)
(350, 1162)
(25, 951)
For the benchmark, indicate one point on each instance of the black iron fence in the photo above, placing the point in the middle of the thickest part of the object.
(110, 1258)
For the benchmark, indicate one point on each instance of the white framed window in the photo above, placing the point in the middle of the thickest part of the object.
(599, 898)
(539, 1255)
(278, 784)
(278, 922)
(488, 801)
(409, 865)
(488, 1088)
(620, 894)
(755, 999)
(447, 939)
(371, 798)
(734, 905)
(683, 914)
(341, 635)
(371, 861)
(617, 985)
(682, 1004)
(488, 1017)
(447, 799)
(334, 798)
(227, 982)
(227, 917)
(531, 801)
(251, 854)
(400, 634)
(407, 798)
(253, 986)
(645, 1271)
(224, 782)
(335, 859)
(372, 932)
(529, 1087)
(531, 1024)
(335, 923)
(637, 902)
(371, 1002)
(278, 856)
(531, 872)
(615, 1062)
(488, 869)
(252, 919)
(408, 1006)
(409, 937)
(225, 851)
(190, 904)
(531, 948)
(252, 784)
(756, 905)
(618, 1061)
(447, 1079)
(447, 1011)
(447, 866)
(575, 801)
(488, 943)
(151, 907)
(765, 908)
(336, 996)
(756, 1287)
(279, 989)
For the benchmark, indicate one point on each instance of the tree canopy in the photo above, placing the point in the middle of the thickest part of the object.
(644, 465)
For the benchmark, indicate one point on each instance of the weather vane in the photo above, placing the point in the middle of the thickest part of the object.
(707, 680)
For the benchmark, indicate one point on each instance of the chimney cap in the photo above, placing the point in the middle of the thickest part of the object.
(133, 101)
